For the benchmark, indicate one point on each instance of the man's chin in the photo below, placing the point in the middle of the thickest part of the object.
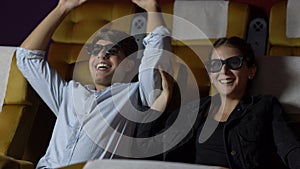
(102, 82)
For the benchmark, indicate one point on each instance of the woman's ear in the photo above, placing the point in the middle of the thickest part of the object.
(252, 72)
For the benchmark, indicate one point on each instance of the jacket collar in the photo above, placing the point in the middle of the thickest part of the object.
(239, 111)
(242, 108)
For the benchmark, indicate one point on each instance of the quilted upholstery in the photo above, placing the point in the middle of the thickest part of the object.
(78, 27)
(190, 51)
(18, 113)
(279, 43)
(85, 20)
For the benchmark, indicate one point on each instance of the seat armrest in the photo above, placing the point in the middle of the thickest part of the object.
(7, 162)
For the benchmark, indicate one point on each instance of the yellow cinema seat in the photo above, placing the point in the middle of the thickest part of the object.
(189, 51)
(285, 49)
(279, 43)
(81, 23)
(17, 116)
(78, 27)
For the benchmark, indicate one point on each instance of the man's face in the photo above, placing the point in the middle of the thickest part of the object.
(103, 62)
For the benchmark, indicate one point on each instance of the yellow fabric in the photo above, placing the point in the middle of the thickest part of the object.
(278, 42)
(63, 58)
(277, 26)
(16, 118)
(77, 28)
(81, 23)
(7, 162)
(85, 20)
(284, 51)
(10, 116)
(15, 125)
(238, 18)
(194, 52)
(16, 86)
(190, 56)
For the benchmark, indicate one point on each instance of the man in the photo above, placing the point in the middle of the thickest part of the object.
(90, 119)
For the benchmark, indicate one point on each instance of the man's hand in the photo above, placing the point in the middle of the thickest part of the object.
(152, 7)
(161, 103)
(68, 5)
(40, 37)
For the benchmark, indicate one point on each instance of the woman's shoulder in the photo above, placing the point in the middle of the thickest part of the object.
(264, 97)
(265, 100)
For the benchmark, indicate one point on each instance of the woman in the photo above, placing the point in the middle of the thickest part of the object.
(233, 129)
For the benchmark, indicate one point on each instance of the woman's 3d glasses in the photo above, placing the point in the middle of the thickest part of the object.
(215, 65)
(110, 49)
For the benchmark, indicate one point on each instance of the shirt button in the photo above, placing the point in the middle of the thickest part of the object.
(233, 152)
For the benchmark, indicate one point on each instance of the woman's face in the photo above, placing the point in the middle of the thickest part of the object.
(230, 83)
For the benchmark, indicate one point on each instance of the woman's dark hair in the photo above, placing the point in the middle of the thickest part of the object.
(122, 39)
(240, 44)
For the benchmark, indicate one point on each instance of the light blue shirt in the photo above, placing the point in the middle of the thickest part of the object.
(87, 126)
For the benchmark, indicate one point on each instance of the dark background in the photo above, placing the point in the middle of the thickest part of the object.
(19, 17)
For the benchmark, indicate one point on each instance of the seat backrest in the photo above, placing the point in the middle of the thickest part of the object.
(78, 27)
(190, 51)
(81, 23)
(66, 52)
(238, 19)
(18, 113)
(279, 43)
(279, 76)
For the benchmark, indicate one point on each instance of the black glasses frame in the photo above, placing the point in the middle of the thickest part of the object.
(110, 49)
(215, 65)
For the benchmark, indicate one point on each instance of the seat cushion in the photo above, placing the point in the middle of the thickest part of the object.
(15, 125)
(16, 92)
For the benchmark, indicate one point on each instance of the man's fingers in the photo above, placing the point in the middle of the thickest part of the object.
(167, 79)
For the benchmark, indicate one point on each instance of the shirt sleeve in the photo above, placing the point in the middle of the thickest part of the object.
(156, 53)
(44, 79)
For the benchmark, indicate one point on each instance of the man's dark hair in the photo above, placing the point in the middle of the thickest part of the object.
(122, 39)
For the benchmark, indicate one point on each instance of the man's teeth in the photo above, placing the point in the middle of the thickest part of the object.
(102, 65)
(226, 81)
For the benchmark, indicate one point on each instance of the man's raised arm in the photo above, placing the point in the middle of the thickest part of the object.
(41, 35)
